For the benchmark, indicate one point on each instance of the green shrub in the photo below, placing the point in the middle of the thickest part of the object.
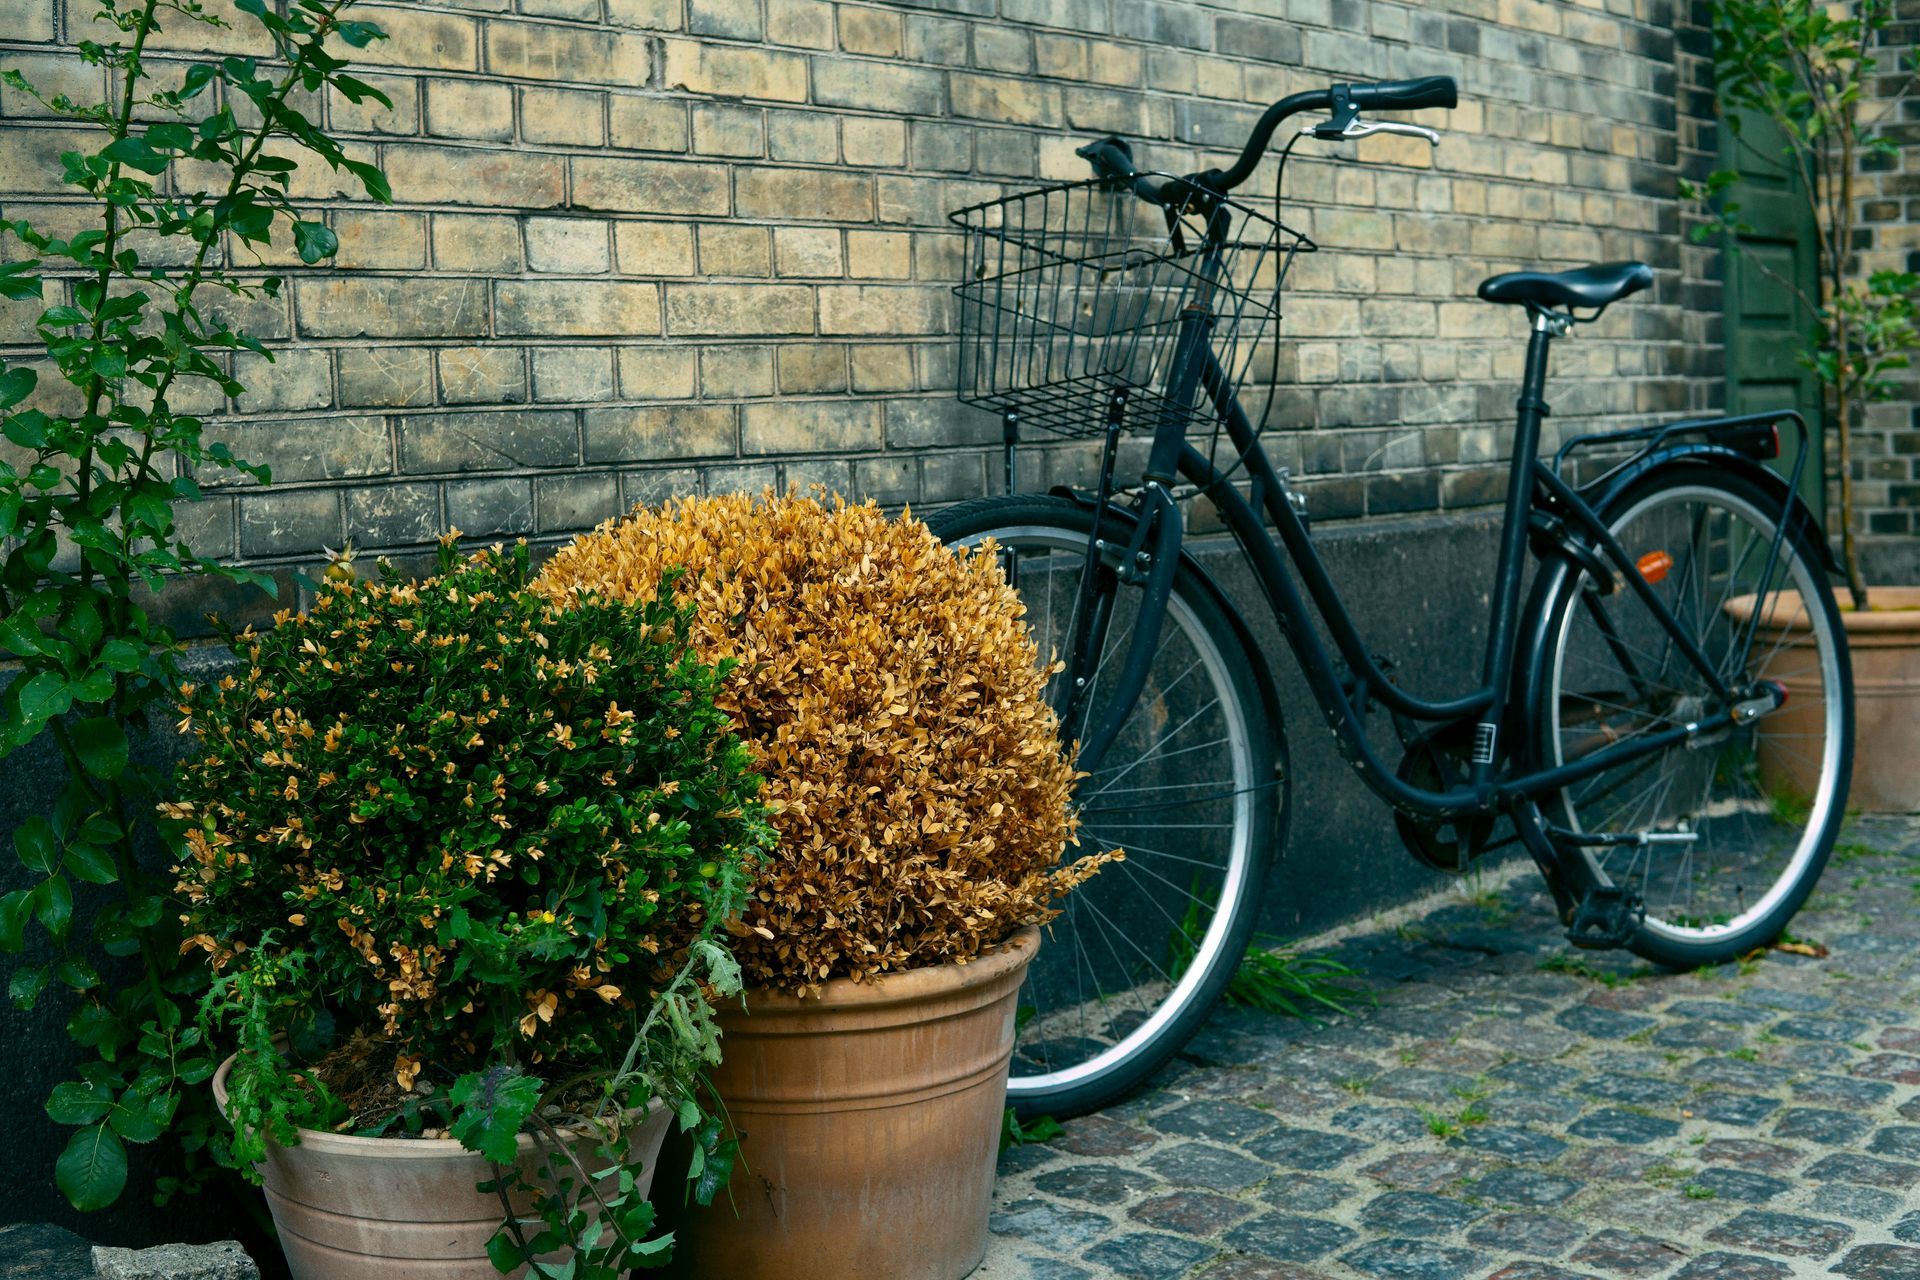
(442, 837)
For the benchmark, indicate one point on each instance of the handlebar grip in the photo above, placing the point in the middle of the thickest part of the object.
(1110, 157)
(1406, 95)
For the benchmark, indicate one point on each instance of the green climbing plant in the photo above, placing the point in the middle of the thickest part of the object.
(100, 454)
(1809, 68)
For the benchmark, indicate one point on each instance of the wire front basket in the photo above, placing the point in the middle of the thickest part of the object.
(1075, 299)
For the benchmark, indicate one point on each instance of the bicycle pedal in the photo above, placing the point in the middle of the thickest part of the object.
(1607, 917)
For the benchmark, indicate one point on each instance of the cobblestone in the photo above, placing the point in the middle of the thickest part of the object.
(1491, 1119)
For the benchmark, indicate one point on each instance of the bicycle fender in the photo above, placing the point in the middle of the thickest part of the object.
(1530, 661)
(1721, 458)
(1262, 670)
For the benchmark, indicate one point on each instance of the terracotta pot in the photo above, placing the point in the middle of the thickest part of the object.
(392, 1208)
(870, 1124)
(1884, 643)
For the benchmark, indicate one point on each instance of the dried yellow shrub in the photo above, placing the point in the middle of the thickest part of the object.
(890, 690)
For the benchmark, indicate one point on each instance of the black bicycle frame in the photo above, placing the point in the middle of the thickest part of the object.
(1532, 487)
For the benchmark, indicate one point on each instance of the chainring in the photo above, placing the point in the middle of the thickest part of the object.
(1438, 761)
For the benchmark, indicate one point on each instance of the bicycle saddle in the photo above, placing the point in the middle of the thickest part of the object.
(1595, 286)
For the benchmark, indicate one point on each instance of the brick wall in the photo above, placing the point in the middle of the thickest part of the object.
(1887, 440)
(644, 247)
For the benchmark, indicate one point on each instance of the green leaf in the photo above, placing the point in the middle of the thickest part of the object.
(135, 154)
(505, 1255)
(15, 284)
(28, 429)
(490, 1108)
(27, 983)
(121, 655)
(16, 384)
(93, 1169)
(15, 908)
(101, 744)
(91, 863)
(315, 241)
(44, 697)
(79, 1102)
(37, 846)
(360, 34)
(53, 905)
(372, 179)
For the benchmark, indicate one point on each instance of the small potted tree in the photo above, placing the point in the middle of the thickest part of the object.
(459, 857)
(1808, 68)
(890, 690)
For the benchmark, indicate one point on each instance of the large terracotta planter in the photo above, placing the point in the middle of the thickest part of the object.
(1885, 647)
(393, 1208)
(870, 1124)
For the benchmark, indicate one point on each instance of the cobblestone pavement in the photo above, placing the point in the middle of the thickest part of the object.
(1513, 1109)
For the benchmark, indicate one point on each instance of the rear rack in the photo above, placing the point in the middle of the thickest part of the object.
(1756, 435)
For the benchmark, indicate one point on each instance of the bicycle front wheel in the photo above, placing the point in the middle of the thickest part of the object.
(1189, 791)
(1751, 813)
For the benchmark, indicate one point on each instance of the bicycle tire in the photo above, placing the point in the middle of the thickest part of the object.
(1038, 1085)
(1736, 803)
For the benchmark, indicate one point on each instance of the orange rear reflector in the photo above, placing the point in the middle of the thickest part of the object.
(1653, 566)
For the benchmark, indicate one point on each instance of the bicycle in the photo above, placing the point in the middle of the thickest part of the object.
(1629, 728)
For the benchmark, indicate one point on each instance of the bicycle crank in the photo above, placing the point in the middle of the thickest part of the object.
(1439, 761)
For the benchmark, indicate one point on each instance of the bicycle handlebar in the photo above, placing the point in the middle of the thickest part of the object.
(1112, 158)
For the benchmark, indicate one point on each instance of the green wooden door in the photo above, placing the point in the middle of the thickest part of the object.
(1766, 324)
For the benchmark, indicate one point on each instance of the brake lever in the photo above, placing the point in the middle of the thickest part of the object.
(1328, 131)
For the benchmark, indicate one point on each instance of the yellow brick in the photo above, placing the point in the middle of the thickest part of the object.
(379, 375)
(874, 143)
(538, 51)
(567, 116)
(588, 308)
(649, 15)
(368, 116)
(803, 193)
(882, 368)
(381, 241)
(870, 31)
(806, 24)
(646, 435)
(1006, 99)
(648, 124)
(481, 375)
(812, 368)
(738, 309)
(465, 242)
(475, 176)
(657, 373)
(728, 71)
(469, 109)
(807, 251)
(653, 248)
(27, 19)
(879, 255)
(417, 38)
(735, 251)
(721, 129)
(809, 426)
(649, 186)
(573, 245)
(388, 307)
(883, 310)
(731, 372)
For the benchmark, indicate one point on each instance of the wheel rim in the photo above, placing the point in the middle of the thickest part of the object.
(1725, 791)
(1177, 795)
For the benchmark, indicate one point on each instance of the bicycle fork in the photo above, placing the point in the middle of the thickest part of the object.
(1147, 562)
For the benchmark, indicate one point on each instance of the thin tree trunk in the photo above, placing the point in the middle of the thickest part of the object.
(1849, 546)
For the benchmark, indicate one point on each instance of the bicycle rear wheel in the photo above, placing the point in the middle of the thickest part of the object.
(1763, 801)
(1189, 790)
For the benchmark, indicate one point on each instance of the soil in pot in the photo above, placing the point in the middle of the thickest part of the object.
(352, 1208)
(870, 1124)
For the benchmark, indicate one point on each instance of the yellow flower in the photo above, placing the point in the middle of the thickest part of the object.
(405, 1069)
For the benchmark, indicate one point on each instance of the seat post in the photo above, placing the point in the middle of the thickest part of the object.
(1531, 409)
